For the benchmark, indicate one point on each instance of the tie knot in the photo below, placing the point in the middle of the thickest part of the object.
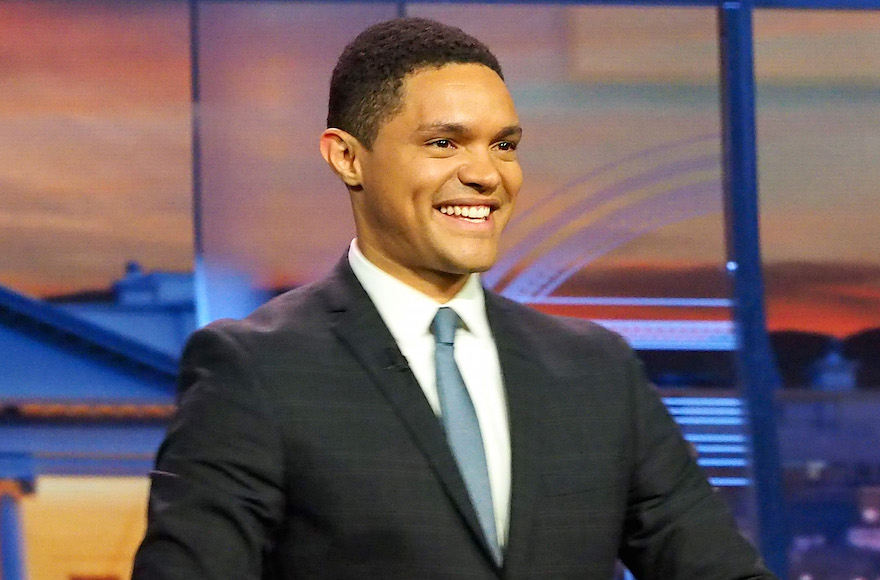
(444, 324)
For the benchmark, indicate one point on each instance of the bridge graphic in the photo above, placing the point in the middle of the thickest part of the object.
(604, 209)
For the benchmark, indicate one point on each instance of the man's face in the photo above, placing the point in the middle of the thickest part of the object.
(440, 182)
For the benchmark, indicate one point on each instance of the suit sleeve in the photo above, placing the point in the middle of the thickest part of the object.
(216, 492)
(677, 527)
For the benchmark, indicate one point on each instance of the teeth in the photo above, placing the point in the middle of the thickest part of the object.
(478, 212)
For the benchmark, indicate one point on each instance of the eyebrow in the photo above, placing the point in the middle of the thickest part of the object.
(509, 131)
(461, 129)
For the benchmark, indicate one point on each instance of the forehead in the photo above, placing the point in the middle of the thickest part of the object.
(456, 93)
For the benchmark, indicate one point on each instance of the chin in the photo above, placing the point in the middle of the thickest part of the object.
(480, 268)
(474, 266)
(470, 262)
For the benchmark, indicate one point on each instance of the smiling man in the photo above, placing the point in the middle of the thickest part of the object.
(395, 420)
(437, 185)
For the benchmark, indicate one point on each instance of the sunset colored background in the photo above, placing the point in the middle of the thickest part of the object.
(621, 152)
(96, 151)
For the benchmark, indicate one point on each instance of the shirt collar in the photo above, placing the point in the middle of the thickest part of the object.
(407, 312)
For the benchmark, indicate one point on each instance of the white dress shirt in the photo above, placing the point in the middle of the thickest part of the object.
(408, 314)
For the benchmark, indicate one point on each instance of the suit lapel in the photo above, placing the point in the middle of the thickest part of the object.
(359, 326)
(522, 380)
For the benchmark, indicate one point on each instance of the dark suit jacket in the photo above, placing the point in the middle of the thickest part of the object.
(303, 447)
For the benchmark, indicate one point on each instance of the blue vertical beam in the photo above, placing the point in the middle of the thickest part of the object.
(11, 541)
(199, 276)
(756, 365)
(221, 290)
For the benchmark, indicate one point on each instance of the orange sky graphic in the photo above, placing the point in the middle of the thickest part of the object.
(95, 146)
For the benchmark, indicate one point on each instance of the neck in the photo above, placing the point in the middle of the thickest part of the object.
(441, 288)
(438, 285)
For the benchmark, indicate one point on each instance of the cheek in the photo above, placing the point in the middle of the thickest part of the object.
(431, 174)
(407, 182)
(513, 178)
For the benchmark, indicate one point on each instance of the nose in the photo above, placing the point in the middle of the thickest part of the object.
(480, 172)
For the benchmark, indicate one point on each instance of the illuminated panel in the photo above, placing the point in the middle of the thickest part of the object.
(716, 427)
(675, 334)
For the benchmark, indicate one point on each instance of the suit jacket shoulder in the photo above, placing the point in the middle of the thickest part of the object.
(568, 345)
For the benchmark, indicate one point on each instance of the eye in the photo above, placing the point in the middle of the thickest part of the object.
(441, 143)
(507, 146)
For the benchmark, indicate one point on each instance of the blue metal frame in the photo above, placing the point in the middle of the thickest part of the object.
(757, 368)
(770, 4)
(61, 327)
(11, 539)
(17, 474)
(820, 4)
(199, 276)
(60, 446)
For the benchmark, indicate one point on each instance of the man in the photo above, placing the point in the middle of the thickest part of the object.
(334, 434)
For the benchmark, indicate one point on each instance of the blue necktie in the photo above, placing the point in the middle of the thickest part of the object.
(462, 427)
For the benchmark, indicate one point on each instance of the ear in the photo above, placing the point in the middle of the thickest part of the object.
(342, 152)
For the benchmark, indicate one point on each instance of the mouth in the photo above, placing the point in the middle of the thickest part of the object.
(470, 213)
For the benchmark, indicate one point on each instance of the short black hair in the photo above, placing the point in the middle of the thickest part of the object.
(368, 77)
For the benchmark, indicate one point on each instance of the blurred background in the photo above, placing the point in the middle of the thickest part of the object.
(159, 168)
